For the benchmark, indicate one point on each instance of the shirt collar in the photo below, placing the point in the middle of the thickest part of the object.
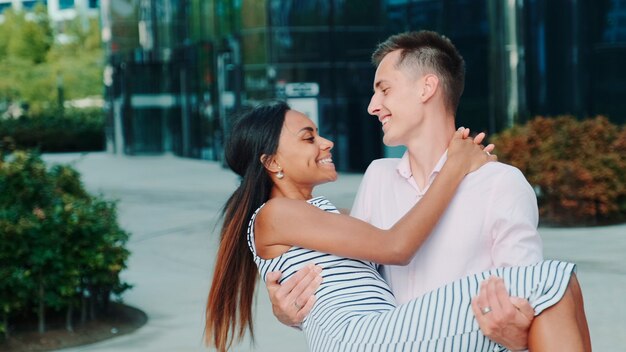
(404, 166)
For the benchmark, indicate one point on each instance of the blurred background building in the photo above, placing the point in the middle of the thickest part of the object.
(176, 70)
(60, 11)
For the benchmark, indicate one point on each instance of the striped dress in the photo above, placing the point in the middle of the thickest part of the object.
(356, 311)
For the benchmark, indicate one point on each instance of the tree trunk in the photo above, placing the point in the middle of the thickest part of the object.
(106, 300)
(83, 307)
(68, 318)
(5, 322)
(92, 303)
(41, 311)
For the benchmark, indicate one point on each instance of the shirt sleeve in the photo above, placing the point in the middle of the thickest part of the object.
(515, 217)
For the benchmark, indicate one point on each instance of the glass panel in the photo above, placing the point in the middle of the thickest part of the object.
(300, 44)
(608, 32)
(357, 13)
(254, 47)
(124, 15)
(29, 5)
(147, 130)
(299, 12)
(4, 6)
(66, 4)
(355, 44)
(614, 29)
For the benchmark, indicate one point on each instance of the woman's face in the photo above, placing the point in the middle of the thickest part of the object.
(303, 155)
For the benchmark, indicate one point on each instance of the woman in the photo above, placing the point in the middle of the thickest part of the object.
(281, 158)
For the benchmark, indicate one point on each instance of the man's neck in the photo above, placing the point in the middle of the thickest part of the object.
(426, 151)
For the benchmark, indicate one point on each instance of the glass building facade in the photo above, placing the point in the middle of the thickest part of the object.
(576, 57)
(177, 70)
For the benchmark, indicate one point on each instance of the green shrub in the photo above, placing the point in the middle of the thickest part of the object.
(577, 167)
(55, 131)
(61, 249)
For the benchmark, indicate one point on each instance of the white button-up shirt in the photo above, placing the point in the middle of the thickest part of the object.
(491, 222)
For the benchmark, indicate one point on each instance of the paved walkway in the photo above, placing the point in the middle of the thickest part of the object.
(171, 206)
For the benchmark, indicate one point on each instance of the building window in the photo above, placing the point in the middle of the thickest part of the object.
(66, 4)
(615, 23)
(4, 6)
(30, 4)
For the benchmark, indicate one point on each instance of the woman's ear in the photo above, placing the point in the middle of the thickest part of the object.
(269, 163)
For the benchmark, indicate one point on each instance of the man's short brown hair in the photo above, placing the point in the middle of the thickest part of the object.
(428, 52)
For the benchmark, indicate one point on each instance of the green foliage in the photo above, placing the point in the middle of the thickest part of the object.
(70, 130)
(579, 167)
(37, 71)
(29, 40)
(80, 62)
(59, 245)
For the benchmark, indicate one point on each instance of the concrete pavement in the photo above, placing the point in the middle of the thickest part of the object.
(171, 206)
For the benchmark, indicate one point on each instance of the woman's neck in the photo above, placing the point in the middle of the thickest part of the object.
(290, 192)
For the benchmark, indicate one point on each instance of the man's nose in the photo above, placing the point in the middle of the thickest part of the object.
(374, 106)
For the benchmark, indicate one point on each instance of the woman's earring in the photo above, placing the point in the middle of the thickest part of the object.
(280, 174)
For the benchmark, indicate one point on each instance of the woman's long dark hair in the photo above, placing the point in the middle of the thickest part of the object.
(229, 305)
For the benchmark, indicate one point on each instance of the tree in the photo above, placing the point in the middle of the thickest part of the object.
(33, 63)
(60, 247)
(28, 39)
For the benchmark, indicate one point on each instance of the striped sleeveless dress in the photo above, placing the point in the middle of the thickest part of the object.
(356, 311)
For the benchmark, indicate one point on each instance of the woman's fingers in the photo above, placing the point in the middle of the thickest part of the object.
(479, 138)
(459, 133)
(466, 132)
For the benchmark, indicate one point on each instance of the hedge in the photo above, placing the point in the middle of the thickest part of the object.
(69, 130)
(578, 168)
(61, 249)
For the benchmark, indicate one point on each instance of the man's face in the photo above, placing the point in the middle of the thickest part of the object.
(396, 101)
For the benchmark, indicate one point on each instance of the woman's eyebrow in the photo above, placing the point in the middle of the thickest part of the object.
(309, 129)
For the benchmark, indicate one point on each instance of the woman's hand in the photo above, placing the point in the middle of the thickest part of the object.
(468, 152)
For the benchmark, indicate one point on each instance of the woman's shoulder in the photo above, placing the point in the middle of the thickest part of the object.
(281, 202)
(277, 206)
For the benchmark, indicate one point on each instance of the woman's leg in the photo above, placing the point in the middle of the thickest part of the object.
(562, 327)
(580, 311)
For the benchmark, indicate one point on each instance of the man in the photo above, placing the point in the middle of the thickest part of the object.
(491, 222)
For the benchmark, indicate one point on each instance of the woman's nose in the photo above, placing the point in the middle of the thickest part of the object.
(326, 144)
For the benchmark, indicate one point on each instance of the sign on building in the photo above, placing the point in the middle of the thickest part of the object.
(302, 97)
(302, 89)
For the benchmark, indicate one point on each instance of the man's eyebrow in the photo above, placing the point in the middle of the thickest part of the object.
(378, 84)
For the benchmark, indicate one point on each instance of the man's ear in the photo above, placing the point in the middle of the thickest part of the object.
(431, 84)
(269, 163)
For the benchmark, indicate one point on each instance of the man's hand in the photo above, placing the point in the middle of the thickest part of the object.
(293, 300)
(504, 319)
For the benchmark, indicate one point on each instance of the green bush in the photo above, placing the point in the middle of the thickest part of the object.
(61, 249)
(55, 131)
(577, 167)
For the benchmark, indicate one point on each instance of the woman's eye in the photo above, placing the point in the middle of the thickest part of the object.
(310, 139)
